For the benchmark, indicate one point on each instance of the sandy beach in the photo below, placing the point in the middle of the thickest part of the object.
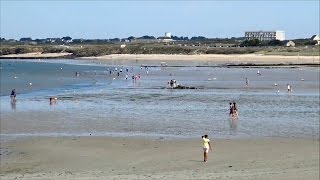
(136, 158)
(281, 138)
(35, 55)
(206, 59)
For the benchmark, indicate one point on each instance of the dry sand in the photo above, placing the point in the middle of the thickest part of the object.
(207, 59)
(137, 158)
(35, 55)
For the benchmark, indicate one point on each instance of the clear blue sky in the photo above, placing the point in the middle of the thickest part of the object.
(110, 19)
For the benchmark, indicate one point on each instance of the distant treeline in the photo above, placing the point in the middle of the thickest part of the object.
(233, 41)
(152, 45)
(69, 40)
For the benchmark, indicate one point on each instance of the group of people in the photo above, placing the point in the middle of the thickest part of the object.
(13, 96)
(233, 110)
(53, 100)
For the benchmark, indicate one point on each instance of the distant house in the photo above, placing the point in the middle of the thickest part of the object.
(290, 44)
(317, 38)
(53, 40)
(166, 37)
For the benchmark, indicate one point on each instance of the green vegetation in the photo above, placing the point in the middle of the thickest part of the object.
(177, 47)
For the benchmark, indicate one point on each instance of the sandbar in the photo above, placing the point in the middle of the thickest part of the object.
(205, 59)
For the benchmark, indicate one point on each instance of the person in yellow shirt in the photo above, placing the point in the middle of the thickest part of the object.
(206, 147)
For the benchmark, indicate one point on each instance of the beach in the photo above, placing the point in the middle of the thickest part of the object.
(104, 126)
(208, 59)
(140, 158)
(35, 55)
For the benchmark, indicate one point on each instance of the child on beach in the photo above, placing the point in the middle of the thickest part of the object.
(206, 147)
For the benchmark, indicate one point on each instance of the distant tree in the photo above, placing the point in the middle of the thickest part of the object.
(131, 38)
(147, 37)
(25, 39)
(310, 42)
(304, 42)
(312, 37)
(40, 41)
(275, 43)
(114, 40)
(252, 42)
(199, 38)
(67, 38)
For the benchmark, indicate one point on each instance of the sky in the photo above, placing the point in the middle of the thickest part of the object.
(98, 19)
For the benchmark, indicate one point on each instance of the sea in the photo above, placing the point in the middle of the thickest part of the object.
(101, 101)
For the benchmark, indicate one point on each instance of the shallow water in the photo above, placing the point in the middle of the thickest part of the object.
(100, 104)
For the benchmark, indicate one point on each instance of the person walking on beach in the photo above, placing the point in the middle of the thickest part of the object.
(231, 109)
(13, 95)
(247, 82)
(206, 147)
(289, 88)
(235, 110)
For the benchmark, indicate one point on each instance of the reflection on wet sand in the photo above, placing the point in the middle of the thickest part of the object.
(13, 105)
(233, 122)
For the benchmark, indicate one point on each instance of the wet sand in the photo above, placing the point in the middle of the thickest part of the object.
(137, 158)
(90, 157)
(178, 59)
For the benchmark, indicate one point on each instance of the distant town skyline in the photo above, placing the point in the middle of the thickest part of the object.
(121, 19)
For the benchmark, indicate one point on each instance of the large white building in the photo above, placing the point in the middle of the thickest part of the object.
(265, 35)
(317, 38)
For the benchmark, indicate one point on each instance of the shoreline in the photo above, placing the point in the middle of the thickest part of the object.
(182, 60)
(141, 158)
(209, 60)
(37, 55)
